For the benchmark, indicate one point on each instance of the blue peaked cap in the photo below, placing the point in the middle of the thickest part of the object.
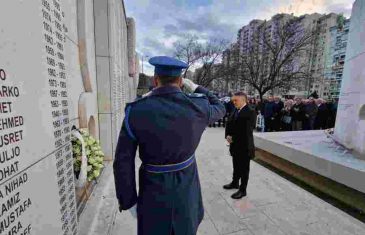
(168, 66)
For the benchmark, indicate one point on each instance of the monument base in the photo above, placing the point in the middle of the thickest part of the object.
(317, 160)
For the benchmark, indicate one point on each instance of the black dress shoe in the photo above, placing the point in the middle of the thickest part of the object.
(231, 186)
(239, 194)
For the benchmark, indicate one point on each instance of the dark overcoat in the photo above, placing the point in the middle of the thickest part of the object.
(241, 130)
(166, 126)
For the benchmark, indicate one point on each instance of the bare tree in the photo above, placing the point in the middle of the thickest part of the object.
(273, 62)
(210, 56)
(188, 50)
(207, 54)
(230, 62)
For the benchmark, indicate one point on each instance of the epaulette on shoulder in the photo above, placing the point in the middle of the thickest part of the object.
(196, 95)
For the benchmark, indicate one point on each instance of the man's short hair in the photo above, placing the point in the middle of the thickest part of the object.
(165, 80)
(240, 93)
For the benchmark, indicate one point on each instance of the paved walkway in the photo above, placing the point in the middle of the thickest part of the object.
(274, 206)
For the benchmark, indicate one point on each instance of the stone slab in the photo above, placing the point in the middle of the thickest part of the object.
(314, 151)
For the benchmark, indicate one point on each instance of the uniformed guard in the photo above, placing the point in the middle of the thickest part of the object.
(166, 125)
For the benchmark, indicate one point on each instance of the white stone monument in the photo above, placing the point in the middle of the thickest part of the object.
(37, 192)
(350, 122)
(62, 64)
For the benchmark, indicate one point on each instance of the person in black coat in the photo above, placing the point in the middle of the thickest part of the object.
(239, 133)
(297, 114)
(332, 111)
(278, 106)
(286, 120)
(269, 114)
(322, 115)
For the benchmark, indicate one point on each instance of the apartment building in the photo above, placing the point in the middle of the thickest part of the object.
(336, 59)
(312, 59)
(246, 36)
(321, 47)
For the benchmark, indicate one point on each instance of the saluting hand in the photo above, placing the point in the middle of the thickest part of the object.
(229, 139)
(189, 85)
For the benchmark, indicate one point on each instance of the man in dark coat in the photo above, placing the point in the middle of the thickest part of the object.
(297, 114)
(166, 126)
(332, 112)
(269, 114)
(278, 106)
(322, 115)
(239, 133)
(310, 113)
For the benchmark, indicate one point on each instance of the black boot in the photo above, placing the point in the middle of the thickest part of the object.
(239, 194)
(232, 185)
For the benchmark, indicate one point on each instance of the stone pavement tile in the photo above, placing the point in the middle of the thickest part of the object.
(206, 215)
(259, 221)
(207, 228)
(282, 215)
(104, 179)
(124, 224)
(305, 213)
(326, 229)
(209, 192)
(268, 230)
(335, 220)
(241, 232)
(261, 196)
(223, 217)
(243, 208)
(99, 212)
(98, 217)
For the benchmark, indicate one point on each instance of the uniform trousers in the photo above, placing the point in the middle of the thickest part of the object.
(241, 170)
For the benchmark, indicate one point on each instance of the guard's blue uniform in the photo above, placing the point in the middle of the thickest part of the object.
(166, 126)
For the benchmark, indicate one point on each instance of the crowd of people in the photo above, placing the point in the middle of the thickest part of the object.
(276, 114)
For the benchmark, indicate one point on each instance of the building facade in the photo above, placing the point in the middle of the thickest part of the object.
(312, 60)
(336, 59)
(321, 44)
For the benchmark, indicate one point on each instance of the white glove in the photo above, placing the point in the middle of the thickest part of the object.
(189, 85)
(147, 94)
(133, 211)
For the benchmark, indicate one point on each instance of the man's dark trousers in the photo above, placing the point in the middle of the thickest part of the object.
(241, 170)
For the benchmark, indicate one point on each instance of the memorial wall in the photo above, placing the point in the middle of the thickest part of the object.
(350, 122)
(62, 64)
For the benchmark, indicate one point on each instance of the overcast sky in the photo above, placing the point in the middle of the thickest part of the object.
(160, 23)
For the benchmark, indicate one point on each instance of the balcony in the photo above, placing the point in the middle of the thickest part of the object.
(338, 66)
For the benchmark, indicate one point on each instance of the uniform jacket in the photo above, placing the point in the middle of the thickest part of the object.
(241, 130)
(166, 126)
